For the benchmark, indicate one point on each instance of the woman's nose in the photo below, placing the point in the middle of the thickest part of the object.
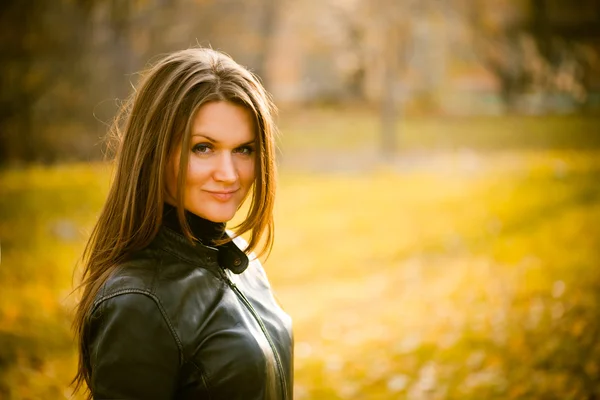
(225, 168)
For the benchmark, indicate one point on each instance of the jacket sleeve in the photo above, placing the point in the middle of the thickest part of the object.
(133, 353)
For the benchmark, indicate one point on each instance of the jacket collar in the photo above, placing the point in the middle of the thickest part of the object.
(227, 255)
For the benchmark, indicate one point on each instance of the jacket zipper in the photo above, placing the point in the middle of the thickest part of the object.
(246, 302)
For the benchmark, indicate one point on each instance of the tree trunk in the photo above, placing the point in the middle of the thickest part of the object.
(269, 14)
(388, 107)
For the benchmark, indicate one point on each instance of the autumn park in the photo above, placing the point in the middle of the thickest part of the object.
(437, 214)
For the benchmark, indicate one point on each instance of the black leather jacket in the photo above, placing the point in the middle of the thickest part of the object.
(178, 321)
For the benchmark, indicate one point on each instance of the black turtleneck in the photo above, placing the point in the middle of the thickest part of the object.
(204, 230)
(229, 256)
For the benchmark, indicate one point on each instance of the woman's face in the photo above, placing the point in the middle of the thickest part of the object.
(221, 162)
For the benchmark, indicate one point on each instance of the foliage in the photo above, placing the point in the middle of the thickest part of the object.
(447, 275)
(66, 65)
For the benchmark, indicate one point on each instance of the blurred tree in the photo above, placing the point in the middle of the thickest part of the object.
(542, 45)
(376, 35)
(61, 61)
(392, 23)
(64, 63)
(350, 17)
(268, 15)
(40, 69)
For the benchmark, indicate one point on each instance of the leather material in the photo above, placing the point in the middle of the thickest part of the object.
(183, 321)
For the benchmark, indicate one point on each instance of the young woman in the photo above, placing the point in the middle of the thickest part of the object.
(174, 306)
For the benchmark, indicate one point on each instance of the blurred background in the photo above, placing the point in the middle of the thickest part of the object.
(438, 215)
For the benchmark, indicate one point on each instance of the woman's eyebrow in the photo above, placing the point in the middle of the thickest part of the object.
(206, 137)
(216, 141)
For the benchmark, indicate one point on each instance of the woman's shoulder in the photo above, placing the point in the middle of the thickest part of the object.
(162, 288)
(151, 274)
(134, 274)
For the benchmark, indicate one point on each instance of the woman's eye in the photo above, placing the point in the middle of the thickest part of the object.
(246, 150)
(201, 148)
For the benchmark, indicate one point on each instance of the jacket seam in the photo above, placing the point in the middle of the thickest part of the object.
(155, 274)
(187, 261)
(176, 255)
(204, 378)
(161, 309)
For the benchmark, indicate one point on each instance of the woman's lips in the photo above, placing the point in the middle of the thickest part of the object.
(222, 195)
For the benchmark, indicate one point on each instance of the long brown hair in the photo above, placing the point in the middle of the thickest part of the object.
(157, 117)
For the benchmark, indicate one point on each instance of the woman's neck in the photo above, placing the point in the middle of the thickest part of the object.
(204, 230)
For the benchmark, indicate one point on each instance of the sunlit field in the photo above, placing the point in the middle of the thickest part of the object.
(466, 268)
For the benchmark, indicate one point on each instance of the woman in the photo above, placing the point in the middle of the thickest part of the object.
(174, 306)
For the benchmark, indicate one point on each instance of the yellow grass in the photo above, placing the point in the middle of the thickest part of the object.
(452, 276)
